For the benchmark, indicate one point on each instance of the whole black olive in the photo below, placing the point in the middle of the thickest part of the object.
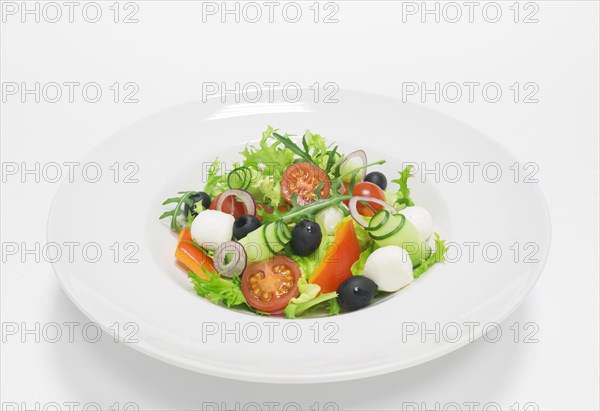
(201, 197)
(356, 292)
(377, 178)
(244, 225)
(306, 238)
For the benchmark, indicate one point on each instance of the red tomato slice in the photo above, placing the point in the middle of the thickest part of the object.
(230, 205)
(303, 179)
(269, 285)
(335, 267)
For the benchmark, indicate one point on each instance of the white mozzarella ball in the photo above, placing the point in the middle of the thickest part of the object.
(211, 228)
(329, 219)
(421, 219)
(390, 268)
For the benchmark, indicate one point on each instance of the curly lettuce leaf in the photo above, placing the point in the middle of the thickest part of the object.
(218, 289)
(403, 198)
(309, 297)
(216, 182)
(267, 188)
(270, 157)
(439, 256)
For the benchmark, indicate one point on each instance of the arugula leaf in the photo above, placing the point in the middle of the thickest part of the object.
(293, 147)
(439, 256)
(332, 167)
(309, 297)
(403, 199)
(179, 202)
(218, 289)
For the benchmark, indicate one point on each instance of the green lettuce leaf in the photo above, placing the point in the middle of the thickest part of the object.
(267, 188)
(334, 307)
(218, 289)
(359, 266)
(439, 256)
(314, 145)
(403, 199)
(270, 157)
(216, 182)
(309, 297)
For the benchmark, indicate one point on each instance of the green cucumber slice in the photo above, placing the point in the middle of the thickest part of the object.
(378, 220)
(407, 237)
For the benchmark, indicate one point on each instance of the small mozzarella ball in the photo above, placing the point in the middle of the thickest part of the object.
(212, 228)
(390, 268)
(421, 219)
(329, 218)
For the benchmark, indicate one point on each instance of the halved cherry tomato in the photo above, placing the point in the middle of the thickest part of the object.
(269, 210)
(269, 285)
(367, 189)
(230, 205)
(191, 257)
(303, 179)
(343, 252)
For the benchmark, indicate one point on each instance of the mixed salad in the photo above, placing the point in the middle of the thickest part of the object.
(299, 227)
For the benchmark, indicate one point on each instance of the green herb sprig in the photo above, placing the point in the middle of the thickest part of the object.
(179, 204)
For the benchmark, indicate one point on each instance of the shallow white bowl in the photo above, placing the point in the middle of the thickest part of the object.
(156, 311)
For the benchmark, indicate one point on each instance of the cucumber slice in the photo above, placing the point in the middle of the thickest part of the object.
(390, 228)
(266, 241)
(378, 220)
(400, 232)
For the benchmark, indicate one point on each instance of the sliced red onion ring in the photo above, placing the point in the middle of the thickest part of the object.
(359, 218)
(237, 262)
(363, 158)
(243, 195)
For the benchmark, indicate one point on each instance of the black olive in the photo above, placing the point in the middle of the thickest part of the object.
(197, 198)
(377, 178)
(244, 225)
(306, 238)
(356, 292)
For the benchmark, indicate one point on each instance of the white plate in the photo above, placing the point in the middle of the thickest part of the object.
(172, 324)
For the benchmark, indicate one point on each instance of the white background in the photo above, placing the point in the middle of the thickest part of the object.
(171, 51)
